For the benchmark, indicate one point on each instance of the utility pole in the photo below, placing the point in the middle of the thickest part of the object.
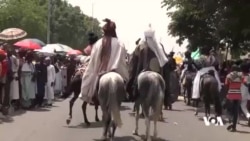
(92, 16)
(49, 21)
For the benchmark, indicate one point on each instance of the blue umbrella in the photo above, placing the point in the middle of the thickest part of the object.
(41, 43)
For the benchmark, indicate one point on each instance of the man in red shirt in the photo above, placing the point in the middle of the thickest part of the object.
(3, 71)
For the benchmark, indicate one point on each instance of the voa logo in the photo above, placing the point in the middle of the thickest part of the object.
(217, 121)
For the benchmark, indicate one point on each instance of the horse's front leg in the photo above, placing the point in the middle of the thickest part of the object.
(84, 107)
(71, 104)
(96, 113)
(137, 109)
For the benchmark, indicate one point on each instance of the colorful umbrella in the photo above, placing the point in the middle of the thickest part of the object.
(74, 52)
(45, 51)
(41, 43)
(12, 34)
(178, 59)
(58, 47)
(27, 44)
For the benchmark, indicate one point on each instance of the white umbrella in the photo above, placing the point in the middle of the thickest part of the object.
(46, 51)
(57, 47)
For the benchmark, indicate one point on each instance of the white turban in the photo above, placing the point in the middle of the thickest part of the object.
(153, 44)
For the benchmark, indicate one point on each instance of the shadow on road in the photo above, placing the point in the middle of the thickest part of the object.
(125, 138)
(157, 139)
(141, 117)
(131, 138)
(242, 132)
(175, 110)
(83, 125)
(40, 110)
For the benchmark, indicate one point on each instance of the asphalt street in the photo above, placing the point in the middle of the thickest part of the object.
(49, 124)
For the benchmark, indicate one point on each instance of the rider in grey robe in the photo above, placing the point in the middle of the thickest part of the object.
(206, 64)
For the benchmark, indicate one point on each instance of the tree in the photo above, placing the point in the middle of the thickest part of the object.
(68, 24)
(206, 23)
(25, 14)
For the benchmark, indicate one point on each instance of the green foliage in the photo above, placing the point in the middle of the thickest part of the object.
(68, 24)
(206, 23)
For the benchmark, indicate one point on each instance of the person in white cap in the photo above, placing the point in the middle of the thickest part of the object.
(51, 77)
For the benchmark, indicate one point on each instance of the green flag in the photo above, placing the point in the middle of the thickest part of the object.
(196, 55)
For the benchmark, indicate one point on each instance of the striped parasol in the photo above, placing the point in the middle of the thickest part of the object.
(12, 34)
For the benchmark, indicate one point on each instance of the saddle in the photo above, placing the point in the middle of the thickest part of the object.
(208, 74)
(80, 71)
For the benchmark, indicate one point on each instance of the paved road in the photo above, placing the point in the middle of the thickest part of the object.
(49, 125)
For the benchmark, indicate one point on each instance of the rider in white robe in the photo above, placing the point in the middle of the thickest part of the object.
(116, 61)
(51, 77)
(208, 62)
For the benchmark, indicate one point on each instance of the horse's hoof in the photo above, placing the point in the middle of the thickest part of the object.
(170, 107)
(87, 124)
(68, 121)
(141, 115)
(103, 138)
(109, 135)
(161, 119)
(135, 133)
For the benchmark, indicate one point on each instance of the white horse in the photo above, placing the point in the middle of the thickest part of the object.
(111, 92)
(151, 87)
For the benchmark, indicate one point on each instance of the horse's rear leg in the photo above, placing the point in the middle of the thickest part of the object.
(137, 109)
(84, 107)
(96, 113)
(218, 106)
(113, 131)
(207, 108)
(147, 121)
(189, 91)
(196, 102)
(107, 120)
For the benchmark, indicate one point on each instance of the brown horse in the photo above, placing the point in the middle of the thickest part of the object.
(75, 87)
(210, 94)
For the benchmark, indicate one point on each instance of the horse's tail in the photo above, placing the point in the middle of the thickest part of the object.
(114, 105)
(161, 93)
(156, 92)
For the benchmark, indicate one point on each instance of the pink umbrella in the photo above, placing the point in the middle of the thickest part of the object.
(27, 44)
(74, 52)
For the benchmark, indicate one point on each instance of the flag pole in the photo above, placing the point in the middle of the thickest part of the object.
(49, 21)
